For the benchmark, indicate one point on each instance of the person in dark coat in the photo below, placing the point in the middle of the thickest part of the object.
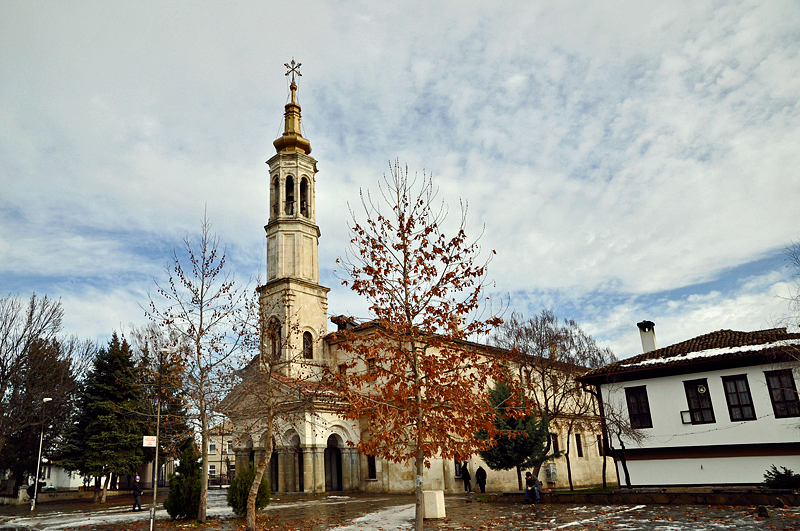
(137, 495)
(480, 477)
(466, 477)
(531, 488)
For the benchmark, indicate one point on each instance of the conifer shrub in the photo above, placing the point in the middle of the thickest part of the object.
(781, 479)
(183, 500)
(239, 489)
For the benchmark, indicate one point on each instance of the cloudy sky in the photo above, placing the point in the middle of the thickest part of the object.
(626, 160)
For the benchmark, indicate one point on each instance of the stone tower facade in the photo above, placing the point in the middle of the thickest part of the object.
(293, 304)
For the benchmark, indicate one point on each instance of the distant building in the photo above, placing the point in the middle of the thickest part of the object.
(718, 409)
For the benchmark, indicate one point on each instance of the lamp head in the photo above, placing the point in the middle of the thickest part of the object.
(45, 400)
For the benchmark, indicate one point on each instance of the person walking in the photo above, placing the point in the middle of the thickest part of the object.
(137, 495)
(466, 477)
(480, 477)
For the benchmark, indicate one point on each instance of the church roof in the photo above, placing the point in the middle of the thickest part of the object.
(720, 349)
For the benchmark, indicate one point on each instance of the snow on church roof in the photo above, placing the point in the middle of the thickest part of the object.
(719, 346)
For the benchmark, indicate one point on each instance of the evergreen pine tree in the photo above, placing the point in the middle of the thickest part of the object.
(519, 441)
(183, 500)
(105, 437)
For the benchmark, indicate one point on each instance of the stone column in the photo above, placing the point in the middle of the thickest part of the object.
(448, 472)
(347, 467)
(308, 468)
(319, 468)
(282, 469)
(241, 459)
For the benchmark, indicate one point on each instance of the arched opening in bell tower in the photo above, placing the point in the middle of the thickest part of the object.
(304, 197)
(275, 191)
(289, 196)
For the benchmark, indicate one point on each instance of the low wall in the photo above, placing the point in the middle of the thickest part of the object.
(703, 496)
(55, 496)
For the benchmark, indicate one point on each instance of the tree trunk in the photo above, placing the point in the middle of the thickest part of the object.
(603, 456)
(519, 477)
(96, 496)
(250, 515)
(624, 462)
(105, 488)
(201, 511)
(569, 463)
(420, 458)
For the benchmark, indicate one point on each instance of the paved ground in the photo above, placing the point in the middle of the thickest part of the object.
(395, 512)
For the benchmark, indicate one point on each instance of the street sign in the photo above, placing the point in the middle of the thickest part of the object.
(149, 441)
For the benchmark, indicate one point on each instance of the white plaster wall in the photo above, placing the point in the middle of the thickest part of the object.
(667, 398)
(705, 471)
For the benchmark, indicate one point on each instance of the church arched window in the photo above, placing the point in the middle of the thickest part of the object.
(308, 346)
(304, 197)
(289, 196)
(276, 194)
(274, 336)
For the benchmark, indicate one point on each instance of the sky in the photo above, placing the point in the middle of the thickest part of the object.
(626, 161)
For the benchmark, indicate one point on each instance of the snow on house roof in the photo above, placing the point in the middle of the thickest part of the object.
(714, 347)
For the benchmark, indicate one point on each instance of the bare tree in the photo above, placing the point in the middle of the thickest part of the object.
(618, 426)
(278, 387)
(214, 321)
(550, 354)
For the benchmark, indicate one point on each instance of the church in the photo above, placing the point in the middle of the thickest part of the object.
(316, 452)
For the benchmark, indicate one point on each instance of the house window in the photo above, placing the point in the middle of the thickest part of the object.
(372, 470)
(578, 445)
(458, 468)
(308, 346)
(737, 393)
(212, 471)
(212, 447)
(638, 407)
(783, 393)
(371, 365)
(230, 447)
(699, 399)
(554, 442)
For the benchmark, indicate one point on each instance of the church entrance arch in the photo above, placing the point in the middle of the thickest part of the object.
(333, 464)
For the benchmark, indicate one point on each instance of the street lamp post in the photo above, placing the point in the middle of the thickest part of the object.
(158, 429)
(39, 462)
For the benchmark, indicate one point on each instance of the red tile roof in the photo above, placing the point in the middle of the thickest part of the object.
(720, 347)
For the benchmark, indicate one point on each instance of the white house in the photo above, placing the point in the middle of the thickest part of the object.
(718, 409)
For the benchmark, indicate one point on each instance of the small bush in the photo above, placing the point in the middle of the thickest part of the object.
(183, 500)
(240, 489)
(781, 479)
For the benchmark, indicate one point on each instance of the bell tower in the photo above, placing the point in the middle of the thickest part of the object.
(293, 303)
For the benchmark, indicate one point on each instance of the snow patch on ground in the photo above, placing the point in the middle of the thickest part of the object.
(400, 517)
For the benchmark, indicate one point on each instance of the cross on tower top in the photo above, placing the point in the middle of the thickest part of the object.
(293, 69)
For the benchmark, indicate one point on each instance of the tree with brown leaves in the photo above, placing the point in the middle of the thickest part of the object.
(411, 376)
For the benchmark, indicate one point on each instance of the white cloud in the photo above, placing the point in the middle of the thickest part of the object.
(613, 152)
